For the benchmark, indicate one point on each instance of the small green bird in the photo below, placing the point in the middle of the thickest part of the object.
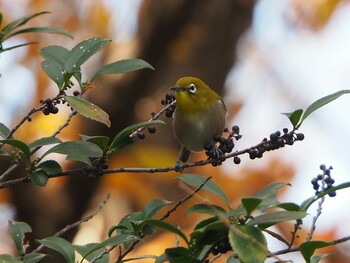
(199, 116)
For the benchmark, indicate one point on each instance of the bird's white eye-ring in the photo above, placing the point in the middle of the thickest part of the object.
(192, 88)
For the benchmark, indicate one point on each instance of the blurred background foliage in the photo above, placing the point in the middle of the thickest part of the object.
(178, 38)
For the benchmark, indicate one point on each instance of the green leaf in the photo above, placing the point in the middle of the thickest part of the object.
(308, 202)
(54, 71)
(9, 259)
(269, 195)
(50, 30)
(122, 139)
(19, 22)
(83, 51)
(77, 150)
(44, 141)
(122, 66)
(101, 141)
(276, 217)
(88, 109)
(18, 144)
(294, 117)
(197, 180)
(308, 248)
(206, 209)
(60, 245)
(57, 54)
(39, 177)
(249, 243)
(289, 206)
(166, 226)
(50, 167)
(175, 255)
(17, 230)
(321, 102)
(33, 257)
(250, 204)
(84, 251)
(4, 131)
(153, 207)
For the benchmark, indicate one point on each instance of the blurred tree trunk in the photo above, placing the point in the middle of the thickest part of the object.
(178, 38)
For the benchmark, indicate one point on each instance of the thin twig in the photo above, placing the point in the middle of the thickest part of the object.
(77, 223)
(59, 129)
(166, 215)
(154, 117)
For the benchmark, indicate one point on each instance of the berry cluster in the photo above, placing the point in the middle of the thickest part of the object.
(277, 140)
(169, 98)
(50, 106)
(141, 135)
(324, 181)
(225, 145)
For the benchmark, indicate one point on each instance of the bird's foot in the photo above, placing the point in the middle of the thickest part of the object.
(179, 167)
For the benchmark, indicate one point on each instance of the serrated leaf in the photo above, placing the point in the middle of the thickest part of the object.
(122, 139)
(4, 131)
(60, 245)
(276, 217)
(308, 248)
(101, 141)
(88, 109)
(17, 230)
(321, 102)
(50, 30)
(122, 66)
(54, 71)
(77, 150)
(18, 144)
(56, 53)
(294, 117)
(44, 141)
(39, 177)
(166, 226)
(33, 257)
(85, 249)
(251, 203)
(209, 209)
(9, 259)
(197, 180)
(249, 243)
(154, 206)
(83, 51)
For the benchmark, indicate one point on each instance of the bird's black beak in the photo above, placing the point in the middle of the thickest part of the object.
(177, 88)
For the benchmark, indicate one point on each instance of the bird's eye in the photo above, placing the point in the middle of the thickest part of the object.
(192, 88)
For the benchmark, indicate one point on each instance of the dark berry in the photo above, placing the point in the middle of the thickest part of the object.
(285, 130)
(273, 136)
(103, 165)
(29, 119)
(217, 138)
(236, 160)
(140, 135)
(151, 129)
(235, 129)
(333, 194)
(169, 113)
(46, 111)
(300, 136)
(319, 177)
(208, 146)
(322, 167)
(76, 93)
(54, 110)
